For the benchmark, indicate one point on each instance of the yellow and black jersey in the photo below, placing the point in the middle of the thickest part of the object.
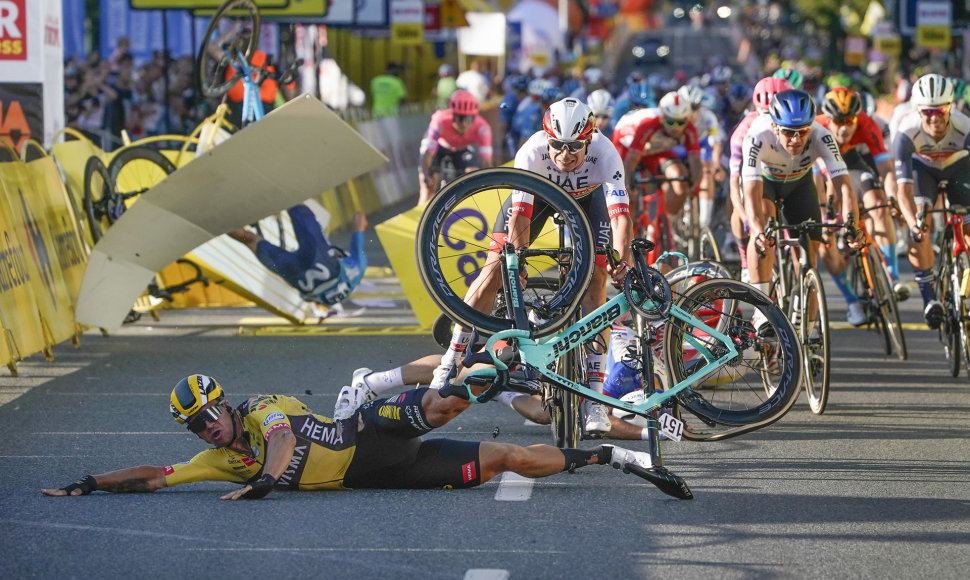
(324, 448)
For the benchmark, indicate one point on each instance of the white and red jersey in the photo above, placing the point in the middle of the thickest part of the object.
(441, 133)
(602, 166)
(645, 133)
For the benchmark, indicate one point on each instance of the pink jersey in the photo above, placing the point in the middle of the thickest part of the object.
(737, 141)
(441, 133)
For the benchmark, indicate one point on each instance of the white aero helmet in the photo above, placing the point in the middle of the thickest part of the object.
(569, 120)
(932, 90)
(693, 94)
(600, 102)
(674, 106)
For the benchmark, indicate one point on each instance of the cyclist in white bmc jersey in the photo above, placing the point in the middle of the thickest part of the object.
(777, 157)
(931, 144)
(570, 153)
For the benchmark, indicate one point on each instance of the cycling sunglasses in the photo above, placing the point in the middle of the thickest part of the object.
(464, 118)
(197, 424)
(572, 146)
(849, 121)
(674, 122)
(602, 116)
(934, 111)
(800, 132)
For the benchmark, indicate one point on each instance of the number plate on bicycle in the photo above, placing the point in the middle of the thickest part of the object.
(670, 426)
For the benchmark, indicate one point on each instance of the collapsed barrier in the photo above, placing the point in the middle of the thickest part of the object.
(46, 239)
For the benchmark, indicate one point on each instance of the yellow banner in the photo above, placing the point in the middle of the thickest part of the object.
(33, 223)
(478, 216)
(407, 33)
(18, 307)
(933, 36)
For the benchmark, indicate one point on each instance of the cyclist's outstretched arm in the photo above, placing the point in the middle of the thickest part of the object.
(128, 480)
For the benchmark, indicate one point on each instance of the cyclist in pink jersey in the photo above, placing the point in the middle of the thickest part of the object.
(457, 136)
(763, 92)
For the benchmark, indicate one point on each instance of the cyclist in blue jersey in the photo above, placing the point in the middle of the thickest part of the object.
(321, 272)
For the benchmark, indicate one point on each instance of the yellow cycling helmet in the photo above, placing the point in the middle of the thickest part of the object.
(191, 394)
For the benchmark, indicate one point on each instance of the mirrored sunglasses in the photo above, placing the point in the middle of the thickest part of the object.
(842, 122)
(464, 118)
(572, 146)
(800, 132)
(674, 122)
(197, 424)
(934, 111)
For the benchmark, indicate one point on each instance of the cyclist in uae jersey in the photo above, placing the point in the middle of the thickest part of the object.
(572, 154)
(777, 158)
(274, 442)
(321, 272)
(458, 133)
(932, 144)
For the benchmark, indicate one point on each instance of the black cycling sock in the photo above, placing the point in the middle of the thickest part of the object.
(580, 457)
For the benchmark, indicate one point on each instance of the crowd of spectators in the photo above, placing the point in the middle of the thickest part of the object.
(104, 96)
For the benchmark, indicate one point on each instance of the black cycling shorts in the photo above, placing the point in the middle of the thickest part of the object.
(593, 205)
(862, 172)
(799, 199)
(957, 176)
(391, 454)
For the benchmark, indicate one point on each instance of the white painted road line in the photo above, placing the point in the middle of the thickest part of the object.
(486, 574)
(514, 487)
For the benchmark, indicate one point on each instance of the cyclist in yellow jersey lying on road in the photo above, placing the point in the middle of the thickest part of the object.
(276, 442)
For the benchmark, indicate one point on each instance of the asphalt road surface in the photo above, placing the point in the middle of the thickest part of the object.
(876, 487)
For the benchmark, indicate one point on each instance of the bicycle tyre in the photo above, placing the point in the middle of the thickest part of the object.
(949, 334)
(210, 73)
(961, 308)
(98, 198)
(734, 397)
(564, 406)
(436, 233)
(868, 298)
(135, 170)
(887, 307)
(815, 349)
(709, 249)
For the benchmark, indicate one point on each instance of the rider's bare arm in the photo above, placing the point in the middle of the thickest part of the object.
(129, 480)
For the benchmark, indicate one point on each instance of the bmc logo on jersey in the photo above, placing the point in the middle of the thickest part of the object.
(13, 29)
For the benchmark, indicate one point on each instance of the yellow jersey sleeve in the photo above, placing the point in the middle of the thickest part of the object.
(212, 465)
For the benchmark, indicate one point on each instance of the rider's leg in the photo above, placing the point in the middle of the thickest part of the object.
(679, 190)
(597, 416)
(705, 200)
(883, 230)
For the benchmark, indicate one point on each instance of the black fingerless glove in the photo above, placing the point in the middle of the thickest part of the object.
(86, 484)
(260, 487)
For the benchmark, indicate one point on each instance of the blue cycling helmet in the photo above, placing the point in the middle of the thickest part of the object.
(641, 95)
(520, 83)
(739, 93)
(551, 95)
(792, 108)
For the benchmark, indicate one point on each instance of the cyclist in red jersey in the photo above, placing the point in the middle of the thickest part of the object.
(459, 133)
(652, 143)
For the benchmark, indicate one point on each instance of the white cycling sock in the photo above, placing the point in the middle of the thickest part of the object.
(507, 397)
(459, 342)
(595, 370)
(382, 381)
(705, 212)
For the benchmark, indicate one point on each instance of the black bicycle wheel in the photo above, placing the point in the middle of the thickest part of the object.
(240, 17)
(813, 332)
(888, 310)
(564, 406)
(756, 388)
(961, 305)
(454, 234)
(135, 170)
(98, 198)
(949, 331)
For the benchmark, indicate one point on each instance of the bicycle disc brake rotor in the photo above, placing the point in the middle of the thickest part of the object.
(648, 293)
